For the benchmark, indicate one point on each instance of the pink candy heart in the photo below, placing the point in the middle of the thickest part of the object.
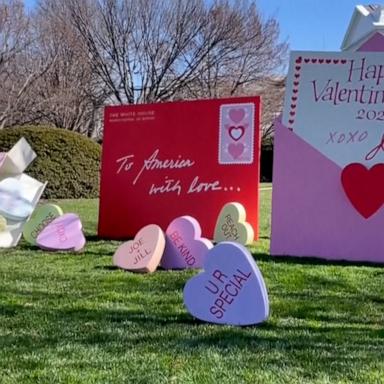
(143, 254)
(62, 234)
(185, 248)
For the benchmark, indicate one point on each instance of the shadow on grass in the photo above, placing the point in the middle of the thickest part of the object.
(107, 267)
(315, 328)
(174, 333)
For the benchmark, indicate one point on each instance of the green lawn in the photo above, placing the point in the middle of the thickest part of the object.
(72, 318)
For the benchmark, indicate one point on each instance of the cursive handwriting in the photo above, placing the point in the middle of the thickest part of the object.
(373, 152)
(197, 186)
(170, 185)
(153, 163)
(126, 164)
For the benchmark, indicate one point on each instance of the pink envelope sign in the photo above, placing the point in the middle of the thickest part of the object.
(328, 189)
(311, 215)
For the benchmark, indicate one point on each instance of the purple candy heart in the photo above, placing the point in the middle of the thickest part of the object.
(185, 248)
(63, 233)
(231, 290)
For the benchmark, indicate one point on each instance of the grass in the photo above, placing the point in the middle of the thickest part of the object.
(72, 318)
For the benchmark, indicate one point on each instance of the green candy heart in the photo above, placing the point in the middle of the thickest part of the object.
(3, 223)
(39, 219)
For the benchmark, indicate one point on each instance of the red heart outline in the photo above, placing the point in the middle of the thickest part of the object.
(234, 129)
(364, 187)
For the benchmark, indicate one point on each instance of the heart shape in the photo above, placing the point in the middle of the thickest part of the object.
(231, 225)
(236, 149)
(14, 203)
(62, 234)
(144, 252)
(236, 133)
(40, 218)
(236, 114)
(364, 187)
(231, 290)
(184, 246)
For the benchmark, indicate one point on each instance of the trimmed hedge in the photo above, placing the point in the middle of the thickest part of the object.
(69, 161)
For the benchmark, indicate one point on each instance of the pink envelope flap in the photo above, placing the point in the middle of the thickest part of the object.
(311, 215)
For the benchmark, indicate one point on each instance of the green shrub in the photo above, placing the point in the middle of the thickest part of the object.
(69, 161)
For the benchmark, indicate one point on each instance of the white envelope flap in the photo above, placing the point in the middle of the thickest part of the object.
(335, 102)
(17, 159)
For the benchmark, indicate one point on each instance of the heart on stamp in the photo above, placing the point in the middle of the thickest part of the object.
(236, 114)
(231, 225)
(143, 253)
(62, 234)
(39, 219)
(236, 149)
(231, 290)
(236, 133)
(184, 246)
(364, 187)
(14, 203)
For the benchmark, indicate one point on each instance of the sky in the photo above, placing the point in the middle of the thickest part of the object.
(317, 25)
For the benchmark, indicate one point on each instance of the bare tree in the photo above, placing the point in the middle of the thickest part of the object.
(16, 72)
(150, 51)
(69, 95)
(45, 72)
(61, 64)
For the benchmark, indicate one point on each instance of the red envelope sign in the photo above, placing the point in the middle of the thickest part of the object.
(161, 161)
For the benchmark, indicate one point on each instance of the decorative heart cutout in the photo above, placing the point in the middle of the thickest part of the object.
(184, 246)
(40, 218)
(236, 114)
(364, 187)
(144, 252)
(231, 225)
(231, 290)
(62, 234)
(236, 149)
(14, 204)
(236, 133)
